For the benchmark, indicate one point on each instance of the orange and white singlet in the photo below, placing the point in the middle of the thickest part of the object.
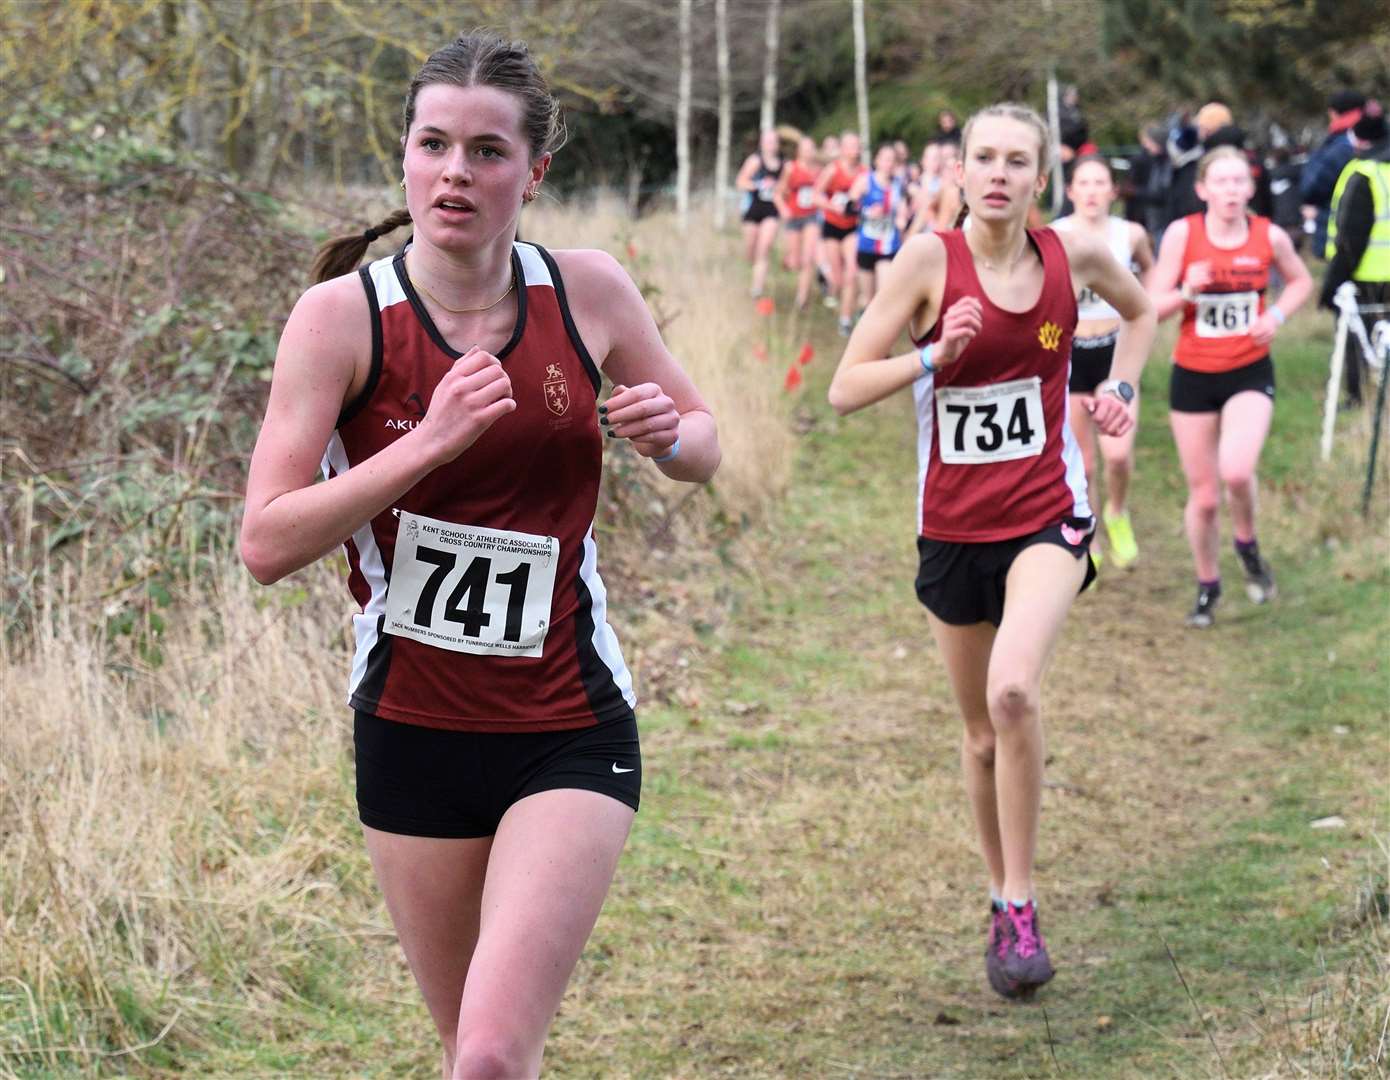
(1215, 333)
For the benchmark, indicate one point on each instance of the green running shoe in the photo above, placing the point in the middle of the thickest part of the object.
(1123, 549)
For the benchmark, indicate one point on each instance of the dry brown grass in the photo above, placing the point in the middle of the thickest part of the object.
(177, 835)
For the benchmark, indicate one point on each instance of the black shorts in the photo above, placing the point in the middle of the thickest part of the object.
(963, 584)
(1199, 391)
(759, 211)
(869, 259)
(1090, 362)
(834, 232)
(421, 781)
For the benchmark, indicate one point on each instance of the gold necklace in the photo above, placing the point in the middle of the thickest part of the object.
(462, 310)
(1012, 262)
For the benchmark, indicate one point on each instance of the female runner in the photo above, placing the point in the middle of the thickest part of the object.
(758, 179)
(797, 192)
(1092, 190)
(882, 217)
(1003, 518)
(454, 387)
(1214, 267)
(839, 244)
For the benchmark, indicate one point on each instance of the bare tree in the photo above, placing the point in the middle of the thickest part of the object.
(726, 113)
(769, 113)
(1054, 124)
(861, 80)
(683, 122)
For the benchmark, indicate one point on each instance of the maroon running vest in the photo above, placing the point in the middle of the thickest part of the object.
(996, 457)
(495, 618)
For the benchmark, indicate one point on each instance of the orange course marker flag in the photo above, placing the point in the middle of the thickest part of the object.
(793, 379)
(765, 305)
(804, 357)
(632, 251)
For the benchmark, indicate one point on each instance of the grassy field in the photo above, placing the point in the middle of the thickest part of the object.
(184, 890)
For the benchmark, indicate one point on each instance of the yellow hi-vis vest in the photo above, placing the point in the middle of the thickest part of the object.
(1375, 263)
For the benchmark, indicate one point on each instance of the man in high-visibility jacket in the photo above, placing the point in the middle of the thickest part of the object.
(1358, 232)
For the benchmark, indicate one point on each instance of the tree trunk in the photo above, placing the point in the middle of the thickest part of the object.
(861, 80)
(769, 113)
(683, 122)
(726, 114)
(1054, 126)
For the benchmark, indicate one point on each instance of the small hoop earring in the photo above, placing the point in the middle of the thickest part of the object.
(529, 195)
(402, 183)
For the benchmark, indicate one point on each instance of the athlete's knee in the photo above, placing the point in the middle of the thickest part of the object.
(1205, 500)
(490, 1056)
(1013, 703)
(979, 744)
(1239, 482)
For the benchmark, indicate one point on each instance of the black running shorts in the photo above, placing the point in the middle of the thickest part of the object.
(759, 211)
(421, 781)
(834, 232)
(1199, 391)
(867, 260)
(1090, 363)
(963, 584)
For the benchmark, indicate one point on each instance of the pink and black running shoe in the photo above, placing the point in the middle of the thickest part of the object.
(1025, 963)
(997, 950)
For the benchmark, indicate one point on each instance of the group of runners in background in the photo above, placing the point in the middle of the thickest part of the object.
(845, 221)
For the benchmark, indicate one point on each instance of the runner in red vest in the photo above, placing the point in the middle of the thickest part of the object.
(839, 238)
(797, 189)
(1214, 267)
(1003, 518)
(451, 393)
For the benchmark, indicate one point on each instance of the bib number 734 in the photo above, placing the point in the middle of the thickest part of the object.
(469, 589)
(986, 424)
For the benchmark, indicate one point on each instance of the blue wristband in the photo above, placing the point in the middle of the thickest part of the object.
(924, 355)
(671, 453)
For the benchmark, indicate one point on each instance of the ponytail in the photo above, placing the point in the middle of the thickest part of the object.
(341, 256)
(960, 217)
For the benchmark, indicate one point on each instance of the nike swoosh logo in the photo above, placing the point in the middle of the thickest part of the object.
(618, 770)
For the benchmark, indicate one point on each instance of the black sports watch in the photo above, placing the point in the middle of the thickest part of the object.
(1119, 388)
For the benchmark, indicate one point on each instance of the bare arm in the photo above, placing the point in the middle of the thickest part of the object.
(1298, 286)
(290, 521)
(744, 180)
(654, 402)
(1164, 285)
(1142, 252)
(1093, 266)
(911, 288)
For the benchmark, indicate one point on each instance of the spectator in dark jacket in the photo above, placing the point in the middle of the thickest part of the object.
(1150, 173)
(1185, 152)
(1326, 163)
(1285, 167)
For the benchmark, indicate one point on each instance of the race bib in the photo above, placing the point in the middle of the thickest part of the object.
(981, 425)
(766, 188)
(469, 589)
(1226, 314)
(839, 201)
(876, 228)
(806, 198)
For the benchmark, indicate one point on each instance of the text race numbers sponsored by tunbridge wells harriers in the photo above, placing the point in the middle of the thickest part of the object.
(471, 589)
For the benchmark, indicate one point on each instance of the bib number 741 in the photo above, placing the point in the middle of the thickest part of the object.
(986, 424)
(470, 589)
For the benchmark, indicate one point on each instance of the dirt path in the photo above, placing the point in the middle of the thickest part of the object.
(803, 891)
